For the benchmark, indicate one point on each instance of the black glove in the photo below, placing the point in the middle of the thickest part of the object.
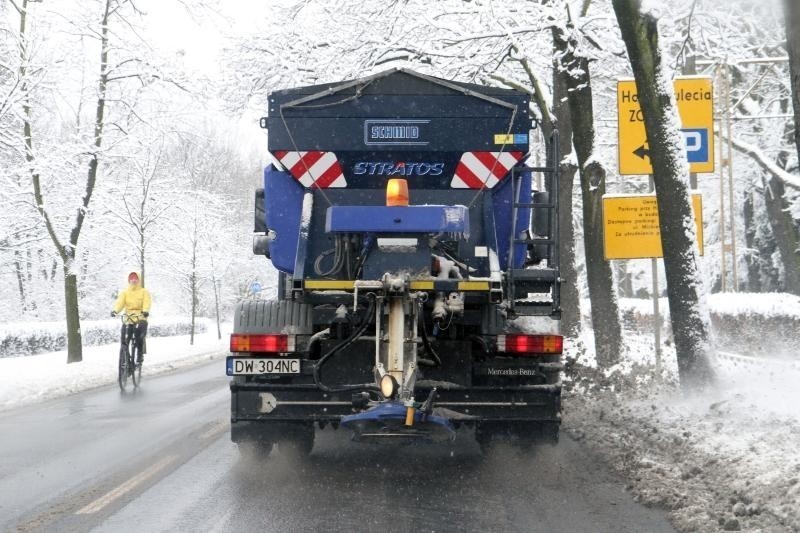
(113, 314)
(145, 314)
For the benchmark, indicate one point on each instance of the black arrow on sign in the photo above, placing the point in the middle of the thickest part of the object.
(642, 152)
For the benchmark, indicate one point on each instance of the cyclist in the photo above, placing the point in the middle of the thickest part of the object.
(135, 300)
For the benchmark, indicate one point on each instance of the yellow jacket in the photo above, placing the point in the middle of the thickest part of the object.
(134, 300)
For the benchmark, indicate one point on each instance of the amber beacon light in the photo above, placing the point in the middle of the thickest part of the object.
(397, 192)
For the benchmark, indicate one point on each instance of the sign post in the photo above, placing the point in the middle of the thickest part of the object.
(656, 310)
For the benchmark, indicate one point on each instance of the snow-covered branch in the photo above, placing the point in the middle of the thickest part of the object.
(788, 179)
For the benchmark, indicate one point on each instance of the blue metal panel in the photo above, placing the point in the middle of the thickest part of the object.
(411, 219)
(503, 215)
(283, 204)
(397, 111)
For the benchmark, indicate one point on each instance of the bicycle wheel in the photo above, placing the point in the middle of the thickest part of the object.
(122, 378)
(136, 368)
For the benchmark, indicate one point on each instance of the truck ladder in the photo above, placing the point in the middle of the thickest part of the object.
(520, 282)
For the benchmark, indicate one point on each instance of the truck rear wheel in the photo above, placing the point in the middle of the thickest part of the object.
(296, 438)
(531, 434)
(254, 449)
(525, 435)
(486, 433)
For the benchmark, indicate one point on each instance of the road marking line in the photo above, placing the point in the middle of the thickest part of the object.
(215, 430)
(126, 487)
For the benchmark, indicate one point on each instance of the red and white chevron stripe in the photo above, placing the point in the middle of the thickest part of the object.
(479, 170)
(314, 170)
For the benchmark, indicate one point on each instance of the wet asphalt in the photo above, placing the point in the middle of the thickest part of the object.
(161, 460)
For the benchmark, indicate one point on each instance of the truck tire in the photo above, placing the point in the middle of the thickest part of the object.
(524, 435)
(296, 439)
(254, 450)
(486, 434)
(273, 316)
(532, 434)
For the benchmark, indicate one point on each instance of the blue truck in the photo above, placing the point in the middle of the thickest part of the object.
(408, 234)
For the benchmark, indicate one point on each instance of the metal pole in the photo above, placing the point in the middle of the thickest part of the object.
(690, 68)
(723, 271)
(656, 313)
(656, 318)
(731, 211)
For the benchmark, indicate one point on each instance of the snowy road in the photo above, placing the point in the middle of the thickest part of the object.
(161, 460)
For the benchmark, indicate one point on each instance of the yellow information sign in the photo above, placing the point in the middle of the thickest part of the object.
(695, 98)
(631, 226)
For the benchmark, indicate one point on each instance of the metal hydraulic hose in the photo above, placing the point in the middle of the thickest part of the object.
(341, 346)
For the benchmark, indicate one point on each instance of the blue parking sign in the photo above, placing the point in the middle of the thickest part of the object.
(696, 140)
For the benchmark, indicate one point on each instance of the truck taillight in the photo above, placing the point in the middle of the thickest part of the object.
(530, 344)
(262, 343)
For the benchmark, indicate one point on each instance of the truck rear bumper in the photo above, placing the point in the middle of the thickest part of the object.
(305, 403)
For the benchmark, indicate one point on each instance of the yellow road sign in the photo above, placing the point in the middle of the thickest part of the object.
(695, 98)
(631, 226)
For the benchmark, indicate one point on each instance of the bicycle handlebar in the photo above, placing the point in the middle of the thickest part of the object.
(132, 317)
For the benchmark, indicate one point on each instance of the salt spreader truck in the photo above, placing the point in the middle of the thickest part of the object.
(408, 235)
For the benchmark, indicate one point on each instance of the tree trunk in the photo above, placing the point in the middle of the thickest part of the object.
(193, 288)
(690, 319)
(193, 283)
(141, 256)
(570, 296)
(602, 293)
(784, 233)
(74, 341)
(792, 16)
(216, 307)
(751, 255)
(624, 279)
(20, 280)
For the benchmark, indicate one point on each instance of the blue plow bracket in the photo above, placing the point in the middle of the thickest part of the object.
(386, 421)
(411, 219)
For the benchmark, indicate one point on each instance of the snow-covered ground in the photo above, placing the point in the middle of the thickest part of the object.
(724, 460)
(24, 380)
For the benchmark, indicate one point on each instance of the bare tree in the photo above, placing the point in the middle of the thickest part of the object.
(570, 296)
(603, 295)
(690, 319)
(792, 15)
(142, 207)
(66, 248)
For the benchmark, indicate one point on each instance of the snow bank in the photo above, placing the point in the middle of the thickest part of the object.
(727, 460)
(28, 338)
(24, 380)
(764, 304)
(729, 303)
(746, 323)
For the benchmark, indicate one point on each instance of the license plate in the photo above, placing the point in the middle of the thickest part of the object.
(250, 366)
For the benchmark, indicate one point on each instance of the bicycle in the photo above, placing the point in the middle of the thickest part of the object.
(129, 351)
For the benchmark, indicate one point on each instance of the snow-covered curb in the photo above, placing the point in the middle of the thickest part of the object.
(25, 380)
